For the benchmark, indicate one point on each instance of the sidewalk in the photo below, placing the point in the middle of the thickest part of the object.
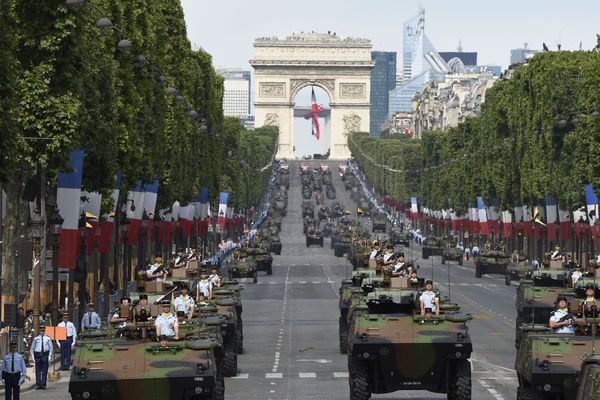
(30, 384)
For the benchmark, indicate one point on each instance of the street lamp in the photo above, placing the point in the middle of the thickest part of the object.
(75, 4)
(124, 46)
(37, 232)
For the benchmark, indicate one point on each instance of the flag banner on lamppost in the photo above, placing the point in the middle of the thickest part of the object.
(135, 212)
(519, 218)
(493, 217)
(527, 224)
(90, 206)
(551, 217)
(414, 210)
(68, 197)
(482, 216)
(186, 218)
(473, 220)
(506, 224)
(223, 198)
(203, 211)
(175, 211)
(150, 196)
(165, 226)
(109, 219)
(564, 218)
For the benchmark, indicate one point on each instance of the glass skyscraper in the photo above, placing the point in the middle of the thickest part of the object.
(420, 64)
(383, 80)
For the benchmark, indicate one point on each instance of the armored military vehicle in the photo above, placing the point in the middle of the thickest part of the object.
(112, 368)
(365, 205)
(308, 209)
(350, 181)
(330, 192)
(263, 258)
(323, 213)
(274, 244)
(589, 378)
(314, 235)
(548, 364)
(232, 290)
(307, 192)
(242, 266)
(453, 254)
(317, 183)
(398, 237)
(221, 313)
(342, 245)
(392, 348)
(491, 262)
(328, 228)
(380, 222)
(519, 270)
(434, 246)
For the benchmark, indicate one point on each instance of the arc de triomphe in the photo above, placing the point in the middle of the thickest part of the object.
(340, 66)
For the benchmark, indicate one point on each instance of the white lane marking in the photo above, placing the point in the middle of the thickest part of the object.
(241, 376)
(272, 283)
(341, 374)
(304, 375)
(271, 375)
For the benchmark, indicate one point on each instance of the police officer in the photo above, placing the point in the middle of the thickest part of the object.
(66, 346)
(14, 371)
(561, 320)
(91, 319)
(41, 351)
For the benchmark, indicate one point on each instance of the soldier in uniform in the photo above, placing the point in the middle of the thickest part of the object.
(561, 320)
(185, 303)
(157, 271)
(576, 275)
(429, 299)
(374, 251)
(181, 259)
(166, 323)
(590, 299)
(205, 287)
(14, 372)
(214, 278)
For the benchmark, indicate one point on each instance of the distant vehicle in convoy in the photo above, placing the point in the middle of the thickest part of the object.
(314, 236)
(453, 254)
(242, 266)
(432, 246)
(379, 222)
(398, 237)
(491, 261)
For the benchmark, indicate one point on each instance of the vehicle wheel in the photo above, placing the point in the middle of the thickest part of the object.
(255, 277)
(360, 389)
(336, 252)
(239, 340)
(270, 270)
(278, 251)
(229, 358)
(219, 388)
(229, 275)
(518, 332)
(460, 386)
(478, 272)
(307, 243)
(321, 242)
(425, 255)
(507, 279)
(343, 332)
(528, 394)
(443, 259)
(461, 260)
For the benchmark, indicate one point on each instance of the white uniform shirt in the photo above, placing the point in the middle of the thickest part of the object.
(71, 331)
(428, 298)
(373, 254)
(184, 304)
(166, 324)
(90, 320)
(556, 316)
(475, 250)
(214, 279)
(152, 269)
(386, 257)
(40, 343)
(204, 286)
(398, 267)
(575, 276)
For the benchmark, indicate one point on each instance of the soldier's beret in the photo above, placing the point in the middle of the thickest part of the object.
(143, 297)
(165, 303)
(91, 305)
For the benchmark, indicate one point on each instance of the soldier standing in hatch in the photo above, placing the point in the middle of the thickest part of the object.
(429, 299)
(561, 320)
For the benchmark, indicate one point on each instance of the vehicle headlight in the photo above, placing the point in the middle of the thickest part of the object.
(198, 390)
(86, 395)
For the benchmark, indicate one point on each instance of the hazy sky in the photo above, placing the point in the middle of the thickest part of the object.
(227, 29)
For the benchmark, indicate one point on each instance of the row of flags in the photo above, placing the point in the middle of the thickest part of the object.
(529, 220)
(140, 209)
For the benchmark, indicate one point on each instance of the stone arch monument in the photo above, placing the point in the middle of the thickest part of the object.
(340, 66)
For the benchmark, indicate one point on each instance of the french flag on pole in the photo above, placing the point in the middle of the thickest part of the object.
(414, 210)
(551, 217)
(150, 198)
(591, 200)
(68, 196)
(506, 224)
(482, 213)
(135, 212)
(186, 218)
(109, 221)
(564, 218)
(223, 197)
(315, 109)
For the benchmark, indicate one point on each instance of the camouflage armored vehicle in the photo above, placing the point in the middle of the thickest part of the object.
(307, 192)
(317, 183)
(328, 228)
(398, 237)
(548, 364)
(434, 246)
(379, 222)
(314, 235)
(535, 304)
(222, 313)
(589, 379)
(323, 213)
(308, 209)
(453, 254)
(274, 244)
(308, 221)
(342, 245)
(393, 348)
(231, 290)
(113, 368)
(330, 192)
(262, 257)
(517, 271)
(491, 262)
(275, 219)
(280, 205)
(242, 266)
(350, 181)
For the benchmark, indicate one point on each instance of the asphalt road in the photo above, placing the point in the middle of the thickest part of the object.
(291, 323)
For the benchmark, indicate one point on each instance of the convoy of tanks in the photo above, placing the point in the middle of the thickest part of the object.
(390, 343)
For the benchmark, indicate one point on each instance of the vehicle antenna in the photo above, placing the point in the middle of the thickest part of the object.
(448, 267)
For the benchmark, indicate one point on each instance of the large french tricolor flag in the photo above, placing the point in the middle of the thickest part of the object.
(473, 220)
(150, 196)
(68, 196)
(414, 209)
(135, 212)
(186, 219)
(591, 200)
(223, 198)
(109, 220)
(90, 206)
(551, 217)
(506, 224)
(482, 216)
(315, 109)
